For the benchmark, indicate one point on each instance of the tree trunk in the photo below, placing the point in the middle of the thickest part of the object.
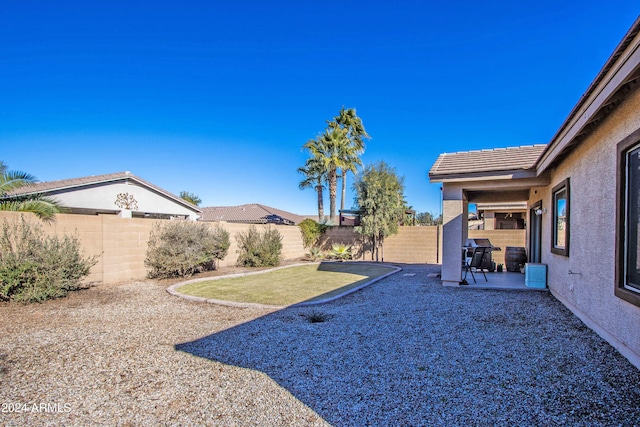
(344, 189)
(373, 249)
(382, 247)
(333, 184)
(375, 246)
(319, 188)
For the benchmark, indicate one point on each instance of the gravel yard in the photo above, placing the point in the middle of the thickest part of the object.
(404, 351)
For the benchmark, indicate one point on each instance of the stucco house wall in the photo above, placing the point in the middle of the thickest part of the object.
(103, 197)
(585, 152)
(584, 281)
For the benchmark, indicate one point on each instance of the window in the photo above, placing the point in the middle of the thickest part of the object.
(628, 220)
(560, 226)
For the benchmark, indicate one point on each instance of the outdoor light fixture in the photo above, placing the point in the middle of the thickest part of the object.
(540, 211)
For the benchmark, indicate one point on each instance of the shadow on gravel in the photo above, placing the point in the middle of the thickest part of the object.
(406, 351)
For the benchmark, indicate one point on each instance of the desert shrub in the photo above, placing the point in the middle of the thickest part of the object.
(314, 254)
(35, 267)
(257, 249)
(315, 316)
(340, 251)
(183, 248)
(311, 232)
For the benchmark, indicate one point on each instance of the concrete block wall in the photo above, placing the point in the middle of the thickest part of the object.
(292, 246)
(121, 243)
(347, 236)
(501, 239)
(125, 247)
(411, 245)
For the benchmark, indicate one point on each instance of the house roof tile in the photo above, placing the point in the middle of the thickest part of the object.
(252, 213)
(479, 161)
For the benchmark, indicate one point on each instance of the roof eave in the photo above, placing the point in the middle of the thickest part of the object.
(484, 176)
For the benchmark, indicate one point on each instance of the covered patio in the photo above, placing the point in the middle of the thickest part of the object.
(486, 176)
(506, 280)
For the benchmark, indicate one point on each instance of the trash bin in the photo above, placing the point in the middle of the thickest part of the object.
(535, 275)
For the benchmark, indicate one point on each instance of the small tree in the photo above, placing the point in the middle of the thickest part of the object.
(380, 198)
(311, 232)
(190, 197)
(182, 248)
(428, 218)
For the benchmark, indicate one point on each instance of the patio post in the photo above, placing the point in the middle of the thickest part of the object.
(454, 232)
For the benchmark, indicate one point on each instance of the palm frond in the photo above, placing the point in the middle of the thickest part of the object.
(44, 208)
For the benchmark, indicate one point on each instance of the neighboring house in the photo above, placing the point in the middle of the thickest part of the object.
(119, 193)
(252, 213)
(583, 201)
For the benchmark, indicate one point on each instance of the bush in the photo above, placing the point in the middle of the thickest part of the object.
(257, 249)
(340, 252)
(182, 248)
(311, 232)
(35, 267)
(314, 254)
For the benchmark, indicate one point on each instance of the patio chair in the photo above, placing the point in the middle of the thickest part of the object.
(474, 263)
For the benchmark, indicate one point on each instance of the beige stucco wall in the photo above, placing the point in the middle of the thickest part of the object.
(584, 281)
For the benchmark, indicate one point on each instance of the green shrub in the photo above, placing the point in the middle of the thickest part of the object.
(257, 249)
(35, 267)
(314, 254)
(340, 252)
(311, 232)
(182, 248)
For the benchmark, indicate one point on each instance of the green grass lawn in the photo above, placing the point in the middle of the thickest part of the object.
(289, 285)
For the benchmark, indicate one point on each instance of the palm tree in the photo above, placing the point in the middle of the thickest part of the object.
(338, 148)
(348, 120)
(314, 177)
(327, 151)
(43, 207)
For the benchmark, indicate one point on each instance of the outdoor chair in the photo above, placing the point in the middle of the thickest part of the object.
(474, 263)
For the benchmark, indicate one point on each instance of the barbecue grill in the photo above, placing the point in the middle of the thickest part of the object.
(487, 259)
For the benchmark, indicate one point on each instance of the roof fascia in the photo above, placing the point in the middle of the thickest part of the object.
(484, 176)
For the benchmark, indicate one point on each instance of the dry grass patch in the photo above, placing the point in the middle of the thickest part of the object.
(289, 285)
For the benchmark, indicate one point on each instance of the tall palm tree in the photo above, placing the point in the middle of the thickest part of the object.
(327, 151)
(348, 120)
(43, 207)
(314, 177)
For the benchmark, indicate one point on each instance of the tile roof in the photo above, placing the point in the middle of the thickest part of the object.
(68, 184)
(252, 213)
(494, 160)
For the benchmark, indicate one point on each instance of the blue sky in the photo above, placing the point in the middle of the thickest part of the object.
(217, 98)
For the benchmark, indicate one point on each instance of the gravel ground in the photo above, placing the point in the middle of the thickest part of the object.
(404, 351)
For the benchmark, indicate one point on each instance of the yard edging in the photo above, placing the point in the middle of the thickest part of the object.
(173, 289)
